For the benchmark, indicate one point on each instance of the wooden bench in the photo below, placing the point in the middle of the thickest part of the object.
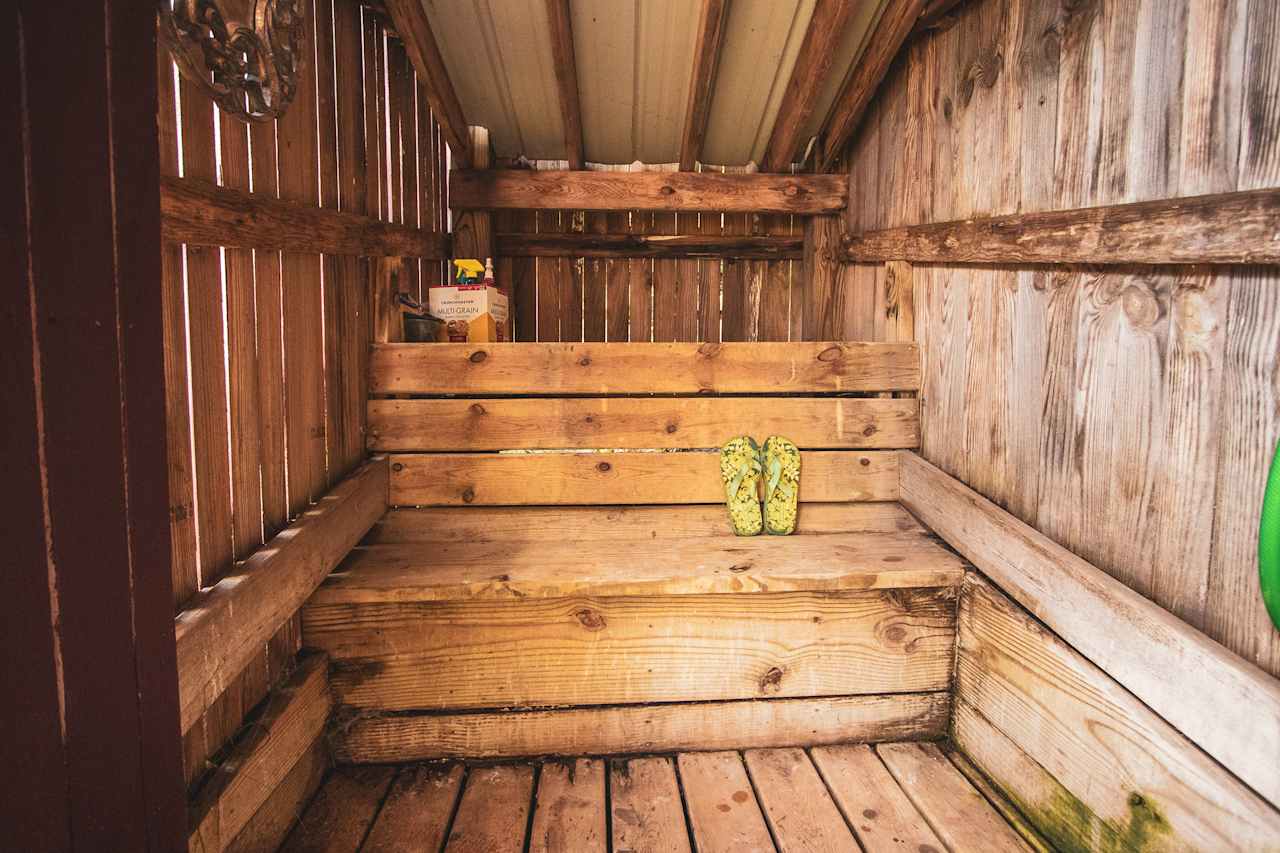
(557, 541)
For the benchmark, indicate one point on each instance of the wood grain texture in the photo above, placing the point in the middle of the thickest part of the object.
(678, 368)
(875, 806)
(200, 213)
(1228, 228)
(800, 811)
(997, 800)
(767, 247)
(1127, 766)
(551, 524)
(289, 724)
(637, 423)
(959, 814)
(275, 818)
(683, 191)
(624, 477)
(883, 44)
(338, 818)
(644, 728)
(639, 649)
(706, 58)
(410, 22)
(415, 815)
(645, 806)
(566, 67)
(226, 626)
(822, 39)
(494, 810)
(723, 812)
(1073, 598)
(569, 811)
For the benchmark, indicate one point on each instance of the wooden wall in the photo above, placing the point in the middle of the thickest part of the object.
(648, 299)
(265, 351)
(1128, 413)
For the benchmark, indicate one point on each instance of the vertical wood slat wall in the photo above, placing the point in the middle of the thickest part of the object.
(265, 351)
(1144, 395)
(648, 299)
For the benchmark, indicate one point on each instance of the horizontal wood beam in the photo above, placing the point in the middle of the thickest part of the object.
(288, 726)
(511, 189)
(1204, 690)
(649, 246)
(750, 724)
(1228, 228)
(850, 105)
(203, 214)
(410, 20)
(706, 58)
(223, 628)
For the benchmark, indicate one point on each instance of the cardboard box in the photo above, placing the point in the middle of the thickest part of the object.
(471, 313)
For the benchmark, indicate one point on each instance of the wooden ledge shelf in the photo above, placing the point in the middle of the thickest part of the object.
(512, 569)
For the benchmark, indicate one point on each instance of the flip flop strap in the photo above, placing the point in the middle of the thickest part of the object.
(775, 481)
(748, 466)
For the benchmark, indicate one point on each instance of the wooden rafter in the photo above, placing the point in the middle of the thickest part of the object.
(410, 20)
(896, 23)
(706, 58)
(566, 80)
(814, 62)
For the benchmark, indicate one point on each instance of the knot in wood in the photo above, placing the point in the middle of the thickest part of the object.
(477, 409)
(592, 620)
(864, 461)
(468, 495)
(791, 190)
(604, 467)
(771, 681)
(831, 354)
(478, 356)
(585, 361)
(671, 428)
(667, 190)
(398, 466)
(870, 430)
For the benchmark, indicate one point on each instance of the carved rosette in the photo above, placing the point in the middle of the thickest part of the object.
(246, 59)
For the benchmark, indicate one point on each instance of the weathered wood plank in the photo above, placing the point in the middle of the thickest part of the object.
(494, 811)
(624, 477)
(723, 812)
(637, 649)
(199, 213)
(287, 727)
(846, 113)
(570, 813)
(566, 69)
(226, 626)
(881, 814)
(644, 728)
(416, 812)
(445, 571)
(551, 524)
(706, 58)
(645, 806)
(638, 423)
(796, 804)
(683, 191)
(961, 816)
(822, 38)
(273, 820)
(678, 368)
(1215, 695)
(1122, 763)
(1227, 228)
(410, 21)
(768, 247)
(338, 818)
(997, 800)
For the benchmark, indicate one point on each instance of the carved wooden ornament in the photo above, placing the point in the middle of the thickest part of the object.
(245, 54)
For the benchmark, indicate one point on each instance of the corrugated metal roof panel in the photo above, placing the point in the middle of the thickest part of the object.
(634, 60)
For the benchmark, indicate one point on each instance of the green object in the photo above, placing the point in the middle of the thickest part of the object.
(740, 471)
(782, 486)
(1269, 543)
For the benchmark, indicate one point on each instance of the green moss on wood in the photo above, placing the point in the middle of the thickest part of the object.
(1072, 827)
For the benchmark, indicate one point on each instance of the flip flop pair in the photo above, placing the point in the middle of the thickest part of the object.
(744, 465)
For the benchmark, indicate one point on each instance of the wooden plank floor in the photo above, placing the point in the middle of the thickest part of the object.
(891, 797)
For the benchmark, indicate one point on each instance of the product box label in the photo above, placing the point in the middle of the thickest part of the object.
(471, 313)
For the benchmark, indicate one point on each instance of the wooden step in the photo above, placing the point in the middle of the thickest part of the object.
(511, 569)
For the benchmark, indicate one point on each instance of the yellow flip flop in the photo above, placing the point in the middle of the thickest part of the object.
(740, 471)
(782, 485)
